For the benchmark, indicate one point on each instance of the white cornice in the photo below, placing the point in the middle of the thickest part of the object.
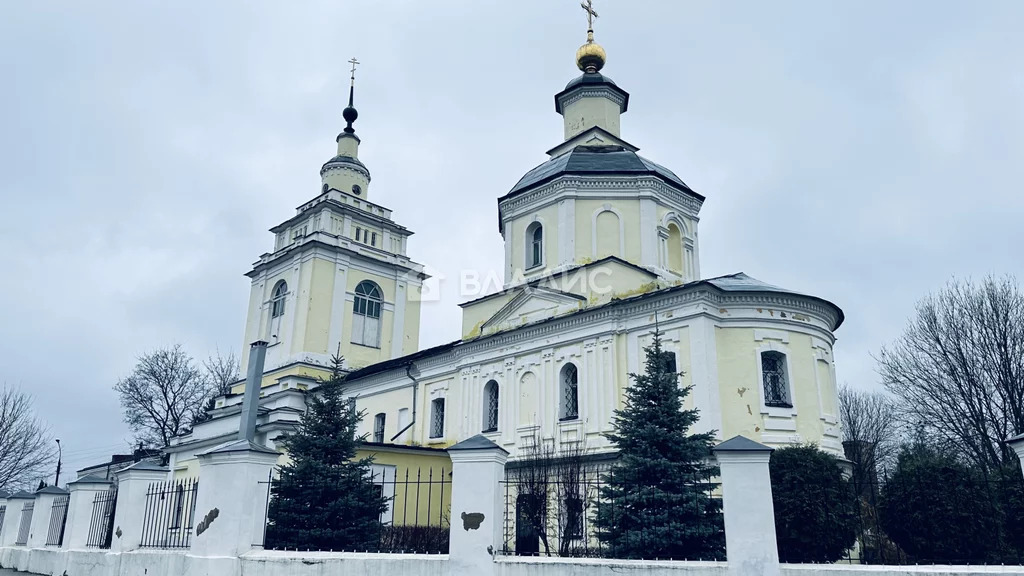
(613, 318)
(602, 187)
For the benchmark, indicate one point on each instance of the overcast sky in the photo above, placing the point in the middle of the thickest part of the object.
(862, 152)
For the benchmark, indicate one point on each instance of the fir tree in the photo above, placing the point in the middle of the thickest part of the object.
(655, 501)
(325, 499)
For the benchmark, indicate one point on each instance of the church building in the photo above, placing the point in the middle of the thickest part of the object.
(601, 247)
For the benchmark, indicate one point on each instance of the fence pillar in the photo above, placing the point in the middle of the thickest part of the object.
(477, 511)
(130, 512)
(12, 517)
(232, 503)
(1017, 443)
(750, 545)
(41, 515)
(3, 514)
(82, 493)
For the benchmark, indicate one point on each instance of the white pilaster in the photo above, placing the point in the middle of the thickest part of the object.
(566, 232)
(704, 374)
(41, 516)
(478, 467)
(648, 233)
(12, 518)
(398, 326)
(80, 507)
(231, 503)
(338, 304)
(750, 545)
(132, 484)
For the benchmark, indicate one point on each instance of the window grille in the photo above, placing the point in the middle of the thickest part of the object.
(378, 427)
(437, 418)
(491, 406)
(773, 375)
(277, 301)
(26, 523)
(366, 315)
(570, 392)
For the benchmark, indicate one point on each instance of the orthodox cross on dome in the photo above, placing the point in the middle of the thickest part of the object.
(588, 7)
(354, 63)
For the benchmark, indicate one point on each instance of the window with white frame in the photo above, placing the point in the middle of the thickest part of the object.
(277, 299)
(378, 427)
(775, 380)
(490, 406)
(570, 400)
(437, 418)
(534, 245)
(366, 315)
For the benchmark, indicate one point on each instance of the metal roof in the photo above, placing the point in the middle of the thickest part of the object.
(597, 160)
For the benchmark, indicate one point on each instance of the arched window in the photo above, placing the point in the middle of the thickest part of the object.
(490, 406)
(570, 398)
(277, 300)
(378, 427)
(775, 379)
(366, 315)
(534, 245)
(675, 249)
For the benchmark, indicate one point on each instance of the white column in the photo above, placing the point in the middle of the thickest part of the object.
(80, 506)
(12, 518)
(478, 467)
(231, 503)
(1017, 443)
(41, 515)
(132, 484)
(750, 545)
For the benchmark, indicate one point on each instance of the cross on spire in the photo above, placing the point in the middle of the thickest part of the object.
(588, 7)
(354, 63)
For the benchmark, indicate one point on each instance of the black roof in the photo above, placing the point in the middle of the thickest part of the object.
(590, 79)
(584, 160)
(344, 160)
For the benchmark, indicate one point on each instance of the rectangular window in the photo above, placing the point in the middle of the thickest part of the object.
(359, 233)
(668, 363)
(437, 418)
(773, 376)
(378, 428)
(373, 239)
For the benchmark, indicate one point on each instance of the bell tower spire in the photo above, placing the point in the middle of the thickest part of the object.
(345, 172)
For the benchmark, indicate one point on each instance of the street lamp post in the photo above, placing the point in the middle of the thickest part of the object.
(56, 481)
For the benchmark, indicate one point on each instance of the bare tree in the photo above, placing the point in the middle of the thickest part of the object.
(872, 435)
(958, 369)
(162, 395)
(220, 372)
(25, 443)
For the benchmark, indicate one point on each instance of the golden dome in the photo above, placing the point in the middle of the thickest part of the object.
(591, 56)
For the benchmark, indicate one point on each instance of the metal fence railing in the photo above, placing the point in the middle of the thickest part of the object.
(3, 513)
(26, 523)
(416, 519)
(169, 514)
(58, 519)
(552, 513)
(101, 524)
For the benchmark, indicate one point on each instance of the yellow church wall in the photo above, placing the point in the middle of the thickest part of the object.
(422, 490)
(411, 338)
(299, 312)
(739, 385)
(474, 315)
(318, 321)
(548, 216)
(737, 381)
(628, 212)
(388, 403)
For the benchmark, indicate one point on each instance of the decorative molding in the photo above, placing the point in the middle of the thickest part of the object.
(592, 92)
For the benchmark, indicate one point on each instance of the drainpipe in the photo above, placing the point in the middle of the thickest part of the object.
(415, 387)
